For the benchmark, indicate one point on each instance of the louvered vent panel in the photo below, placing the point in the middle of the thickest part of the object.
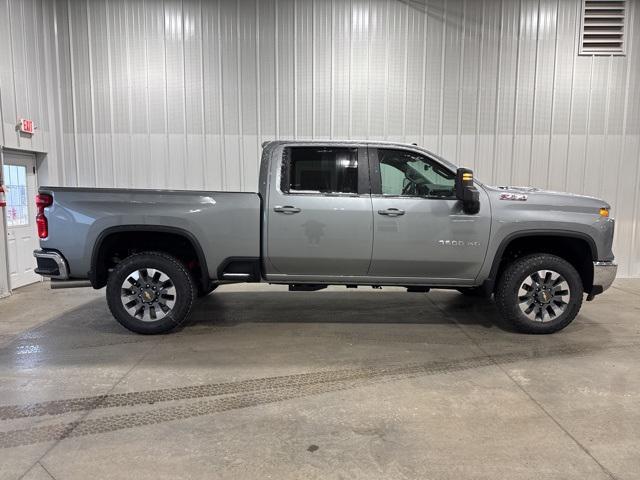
(603, 27)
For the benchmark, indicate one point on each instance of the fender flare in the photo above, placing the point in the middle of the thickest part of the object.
(92, 274)
(497, 258)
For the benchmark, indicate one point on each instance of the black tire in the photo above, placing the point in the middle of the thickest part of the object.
(508, 291)
(181, 281)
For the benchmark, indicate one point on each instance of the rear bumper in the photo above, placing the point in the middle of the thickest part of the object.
(604, 273)
(51, 264)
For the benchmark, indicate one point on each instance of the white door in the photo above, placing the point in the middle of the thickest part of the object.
(19, 177)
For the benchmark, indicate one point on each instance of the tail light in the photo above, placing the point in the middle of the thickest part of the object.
(3, 198)
(42, 201)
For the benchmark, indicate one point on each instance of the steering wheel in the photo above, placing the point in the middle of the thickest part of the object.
(419, 189)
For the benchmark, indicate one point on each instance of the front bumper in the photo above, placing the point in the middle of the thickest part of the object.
(51, 264)
(604, 273)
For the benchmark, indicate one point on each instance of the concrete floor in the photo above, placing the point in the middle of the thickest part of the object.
(362, 384)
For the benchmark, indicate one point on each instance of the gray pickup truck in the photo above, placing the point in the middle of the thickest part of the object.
(332, 213)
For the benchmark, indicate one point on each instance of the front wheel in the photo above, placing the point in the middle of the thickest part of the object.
(150, 292)
(539, 293)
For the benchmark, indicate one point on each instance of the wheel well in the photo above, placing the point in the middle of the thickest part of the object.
(576, 251)
(114, 247)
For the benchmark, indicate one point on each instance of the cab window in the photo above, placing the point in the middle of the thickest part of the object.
(405, 173)
(320, 170)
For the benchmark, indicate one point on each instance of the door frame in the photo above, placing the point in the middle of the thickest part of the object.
(5, 287)
(376, 194)
(277, 175)
(5, 282)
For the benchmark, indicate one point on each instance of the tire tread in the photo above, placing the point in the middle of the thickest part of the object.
(510, 311)
(191, 293)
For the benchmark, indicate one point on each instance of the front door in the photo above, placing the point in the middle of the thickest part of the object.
(420, 230)
(319, 220)
(19, 179)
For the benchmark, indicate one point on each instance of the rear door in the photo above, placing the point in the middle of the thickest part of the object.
(420, 230)
(19, 178)
(319, 217)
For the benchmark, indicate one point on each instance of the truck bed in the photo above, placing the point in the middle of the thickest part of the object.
(225, 224)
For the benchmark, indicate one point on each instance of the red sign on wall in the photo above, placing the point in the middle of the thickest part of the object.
(26, 126)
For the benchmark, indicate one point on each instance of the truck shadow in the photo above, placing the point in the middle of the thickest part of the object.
(442, 307)
(88, 335)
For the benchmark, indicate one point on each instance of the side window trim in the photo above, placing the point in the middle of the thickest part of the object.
(364, 182)
(364, 186)
(376, 175)
(374, 171)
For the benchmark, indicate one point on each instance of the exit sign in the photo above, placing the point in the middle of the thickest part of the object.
(26, 126)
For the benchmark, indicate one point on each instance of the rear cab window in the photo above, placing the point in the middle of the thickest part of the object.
(324, 170)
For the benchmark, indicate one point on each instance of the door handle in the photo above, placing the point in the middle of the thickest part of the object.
(288, 209)
(391, 212)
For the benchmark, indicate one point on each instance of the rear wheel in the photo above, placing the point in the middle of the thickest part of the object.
(150, 292)
(539, 293)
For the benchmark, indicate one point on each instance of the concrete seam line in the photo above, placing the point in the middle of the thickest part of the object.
(46, 470)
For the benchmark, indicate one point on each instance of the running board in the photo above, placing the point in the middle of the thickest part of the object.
(306, 287)
(56, 284)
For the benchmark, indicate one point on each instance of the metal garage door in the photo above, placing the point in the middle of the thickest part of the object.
(22, 238)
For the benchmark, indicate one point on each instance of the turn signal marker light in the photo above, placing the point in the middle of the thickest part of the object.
(604, 212)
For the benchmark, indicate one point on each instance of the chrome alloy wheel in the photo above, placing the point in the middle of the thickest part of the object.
(148, 294)
(544, 295)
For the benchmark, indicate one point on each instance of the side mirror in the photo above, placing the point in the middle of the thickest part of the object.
(466, 191)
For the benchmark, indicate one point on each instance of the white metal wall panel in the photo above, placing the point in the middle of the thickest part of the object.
(415, 71)
(340, 69)
(395, 71)
(248, 97)
(181, 93)
(142, 162)
(82, 90)
(359, 94)
(488, 89)
(468, 98)
(377, 69)
(542, 107)
(303, 71)
(212, 92)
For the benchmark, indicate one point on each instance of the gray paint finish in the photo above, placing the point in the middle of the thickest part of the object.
(316, 237)
(332, 235)
(223, 223)
(181, 94)
(410, 245)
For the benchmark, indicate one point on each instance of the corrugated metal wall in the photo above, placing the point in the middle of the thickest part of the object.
(180, 94)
